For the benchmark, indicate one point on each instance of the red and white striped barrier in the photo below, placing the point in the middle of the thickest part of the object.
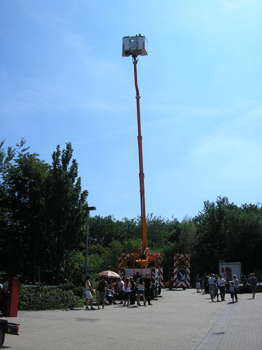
(181, 271)
(161, 277)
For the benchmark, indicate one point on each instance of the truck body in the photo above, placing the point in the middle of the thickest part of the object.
(228, 269)
(135, 264)
(154, 274)
(180, 277)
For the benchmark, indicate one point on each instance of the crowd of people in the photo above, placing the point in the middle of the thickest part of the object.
(127, 292)
(215, 285)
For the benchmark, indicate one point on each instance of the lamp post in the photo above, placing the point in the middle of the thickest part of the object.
(87, 215)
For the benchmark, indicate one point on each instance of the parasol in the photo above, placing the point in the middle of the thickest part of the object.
(110, 274)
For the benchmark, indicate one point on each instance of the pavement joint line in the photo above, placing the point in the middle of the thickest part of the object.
(214, 336)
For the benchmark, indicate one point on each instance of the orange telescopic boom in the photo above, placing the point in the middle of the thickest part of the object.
(135, 46)
(141, 170)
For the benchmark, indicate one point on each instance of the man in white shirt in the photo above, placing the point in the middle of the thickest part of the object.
(221, 285)
(120, 286)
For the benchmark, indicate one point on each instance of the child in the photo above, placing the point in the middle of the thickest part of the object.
(202, 285)
(231, 290)
(215, 290)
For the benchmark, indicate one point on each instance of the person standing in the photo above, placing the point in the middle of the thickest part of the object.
(245, 281)
(127, 289)
(88, 293)
(211, 282)
(202, 285)
(140, 291)
(133, 291)
(101, 288)
(231, 290)
(253, 284)
(215, 289)
(221, 285)
(120, 287)
(205, 278)
(197, 283)
(235, 281)
(148, 286)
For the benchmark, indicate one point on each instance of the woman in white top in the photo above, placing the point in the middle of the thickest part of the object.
(127, 290)
(88, 293)
(140, 291)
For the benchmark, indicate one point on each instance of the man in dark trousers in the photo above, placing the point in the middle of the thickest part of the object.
(205, 278)
(148, 285)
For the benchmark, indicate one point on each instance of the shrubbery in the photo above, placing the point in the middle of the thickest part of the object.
(50, 297)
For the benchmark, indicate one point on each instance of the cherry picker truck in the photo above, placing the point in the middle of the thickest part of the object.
(141, 262)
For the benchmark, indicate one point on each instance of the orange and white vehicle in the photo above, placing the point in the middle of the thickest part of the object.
(179, 276)
(141, 262)
(135, 264)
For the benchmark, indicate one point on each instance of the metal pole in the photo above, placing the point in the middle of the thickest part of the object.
(87, 216)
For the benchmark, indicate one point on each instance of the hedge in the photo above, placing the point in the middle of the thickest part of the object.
(65, 297)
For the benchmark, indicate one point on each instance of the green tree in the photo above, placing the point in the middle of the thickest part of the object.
(210, 232)
(101, 230)
(22, 221)
(187, 236)
(157, 233)
(226, 232)
(66, 208)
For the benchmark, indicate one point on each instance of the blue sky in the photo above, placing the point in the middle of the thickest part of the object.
(63, 79)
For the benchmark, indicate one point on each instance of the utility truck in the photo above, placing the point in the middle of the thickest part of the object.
(136, 265)
(141, 262)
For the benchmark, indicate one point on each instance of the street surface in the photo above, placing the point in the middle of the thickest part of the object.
(178, 320)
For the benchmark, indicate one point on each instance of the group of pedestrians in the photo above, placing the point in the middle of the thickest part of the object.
(128, 292)
(131, 291)
(215, 285)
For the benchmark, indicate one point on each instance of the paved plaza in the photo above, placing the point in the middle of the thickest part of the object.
(178, 320)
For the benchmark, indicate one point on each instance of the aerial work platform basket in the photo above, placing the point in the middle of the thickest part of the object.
(134, 46)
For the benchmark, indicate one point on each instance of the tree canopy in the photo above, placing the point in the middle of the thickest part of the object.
(42, 212)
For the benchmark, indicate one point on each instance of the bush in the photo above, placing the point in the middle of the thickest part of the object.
(48, 298)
